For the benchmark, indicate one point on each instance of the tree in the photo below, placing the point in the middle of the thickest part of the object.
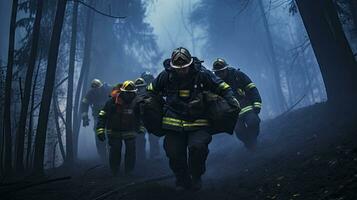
(20, 136)
(69, 102)
(48, 87)
(83, 74)
(279, 97)
(333, 53)
(8, 84)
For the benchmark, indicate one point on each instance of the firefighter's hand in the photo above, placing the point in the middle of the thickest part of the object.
(85, 119)
(234, 103)
(101, 136)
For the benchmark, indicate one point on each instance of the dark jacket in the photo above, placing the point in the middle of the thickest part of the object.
(120, 116)
(244, 90)
(96, 98)
(184, 104)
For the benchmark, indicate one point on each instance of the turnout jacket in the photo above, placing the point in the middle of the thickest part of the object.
(244, 90)
(185, 107)
(119, 116)
(95, 98)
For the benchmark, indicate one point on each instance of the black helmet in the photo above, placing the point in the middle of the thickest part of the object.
(219, 64)
(147, 76)
(140, 82)
(181, 58)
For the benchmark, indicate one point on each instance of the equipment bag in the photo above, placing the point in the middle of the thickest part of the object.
(152, 113)
(222, 116)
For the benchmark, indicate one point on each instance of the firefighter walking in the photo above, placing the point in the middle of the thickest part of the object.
(187, 127)
(95, 98)
(248, 124)
(119, 120)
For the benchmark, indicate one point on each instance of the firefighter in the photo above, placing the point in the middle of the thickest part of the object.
(183, 83)
(119, 120)
(153, 140)
(95, 98)
(247, 127)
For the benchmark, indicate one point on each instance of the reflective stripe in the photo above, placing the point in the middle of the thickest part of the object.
(184, 93)
(241, 92)
(150, 87)
(100, 131)
(183, 123)
(250, 86)
(84, 100)
(102, 113)
(246, 109)
(257, 104)
(223, 86)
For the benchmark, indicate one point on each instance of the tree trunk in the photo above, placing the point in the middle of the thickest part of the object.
(30, 129)
(83, 76)
(48, 88)
(69, 102)
(8, 83)
(20, 136)
(280, 99)
(333, 53)
(56, 111)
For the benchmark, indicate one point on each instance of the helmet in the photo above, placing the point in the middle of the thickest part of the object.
(96, 83)
(219, 64)
(128, 86)
(147, 76)
(140, 82)
(181, 58)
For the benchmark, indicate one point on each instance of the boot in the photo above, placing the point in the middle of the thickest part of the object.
(196, 183)
(183, 182)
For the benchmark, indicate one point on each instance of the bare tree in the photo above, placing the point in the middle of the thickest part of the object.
(8, 84)
(332, 50)
(20, 136)
(48, 87)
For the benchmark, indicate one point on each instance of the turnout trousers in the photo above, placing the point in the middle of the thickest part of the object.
(187, 152)
(247, 129)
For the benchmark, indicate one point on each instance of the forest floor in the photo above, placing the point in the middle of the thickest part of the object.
(310, 153)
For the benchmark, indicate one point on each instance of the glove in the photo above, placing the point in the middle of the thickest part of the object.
(85, 120)
(101, 137)
(233, 102)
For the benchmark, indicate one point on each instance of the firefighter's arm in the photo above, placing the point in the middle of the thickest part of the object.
(102, 121)
(218, 86)
(156, 87)
(84, 107)
(251, 91)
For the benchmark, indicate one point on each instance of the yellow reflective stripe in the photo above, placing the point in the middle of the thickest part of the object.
(172, 119)
(257, 104)
(223, 86)
(102, 113)
(100, 131)
(246, 109)
(150, 87)
(195, 124)
(84, 100)
(250, 86)
(184, 93)
(182, 123)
